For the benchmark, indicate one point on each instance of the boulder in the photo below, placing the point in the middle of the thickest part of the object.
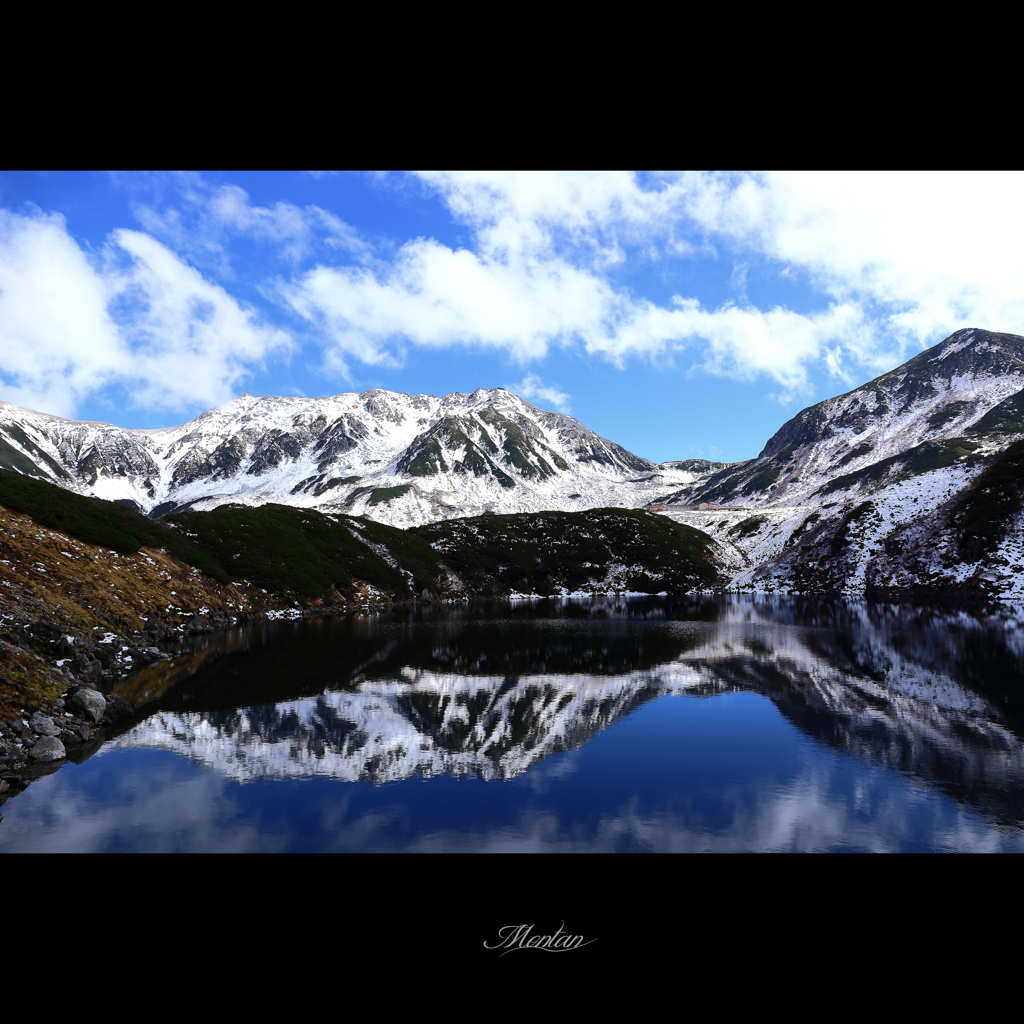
(42, 724)
(92, 702)
(104, 654)
(118, 707)
(49, 748)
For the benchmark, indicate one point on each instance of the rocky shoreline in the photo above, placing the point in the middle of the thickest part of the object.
(47, 730)
(67, 714)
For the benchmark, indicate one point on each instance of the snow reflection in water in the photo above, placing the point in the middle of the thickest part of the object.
(827, 725)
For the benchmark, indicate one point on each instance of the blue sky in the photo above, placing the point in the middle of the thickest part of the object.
(681, 315)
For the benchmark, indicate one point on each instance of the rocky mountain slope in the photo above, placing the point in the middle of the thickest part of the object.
(402, 459)
(911, 482)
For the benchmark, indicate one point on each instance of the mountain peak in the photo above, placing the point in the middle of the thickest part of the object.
(400, 458)
(974, 367)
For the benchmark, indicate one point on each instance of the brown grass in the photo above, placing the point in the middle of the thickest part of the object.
(88, 590)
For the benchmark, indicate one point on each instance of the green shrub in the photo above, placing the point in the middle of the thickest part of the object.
(921, 459)
(542, 550)
(762, 481)
(861, 449)
(303, 554)
(1005, 418)
(809, 521)
(748, 526)
(983, 514)
(380, 494)
(944, 416)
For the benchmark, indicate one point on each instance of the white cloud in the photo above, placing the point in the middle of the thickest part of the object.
(923, 254)
(210, 215)
(191, 342)
(518, 212)
(531, 386)
(898, 261)
(537, 275)
(438, 297)
(58, 339)
(135, 315)
(885, 262)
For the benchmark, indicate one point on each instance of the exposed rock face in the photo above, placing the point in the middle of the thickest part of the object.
(42, 724)
(883, 487)
(967, 389)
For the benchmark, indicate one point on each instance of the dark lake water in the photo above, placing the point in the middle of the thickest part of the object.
(626, 725)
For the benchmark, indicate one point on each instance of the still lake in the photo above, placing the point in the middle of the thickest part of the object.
(724, 723)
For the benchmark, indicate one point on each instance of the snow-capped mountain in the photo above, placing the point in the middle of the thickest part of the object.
(873, 490)
(941, 394)
(402, 459)
(882, 488)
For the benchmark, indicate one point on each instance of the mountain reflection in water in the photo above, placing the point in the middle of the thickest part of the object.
(497, 693)
(928, 692)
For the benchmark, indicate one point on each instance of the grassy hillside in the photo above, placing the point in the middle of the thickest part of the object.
(287, 550)
(96, 521)
(538, 552)
(305, 555)
(281, 549)
(913, 462)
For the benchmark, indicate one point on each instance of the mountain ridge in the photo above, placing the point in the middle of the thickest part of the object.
(454, 455)
(881, 488)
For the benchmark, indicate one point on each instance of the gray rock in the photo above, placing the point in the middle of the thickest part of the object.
(42, 724)
(92, 702)
(49, 748)
(118, 707)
